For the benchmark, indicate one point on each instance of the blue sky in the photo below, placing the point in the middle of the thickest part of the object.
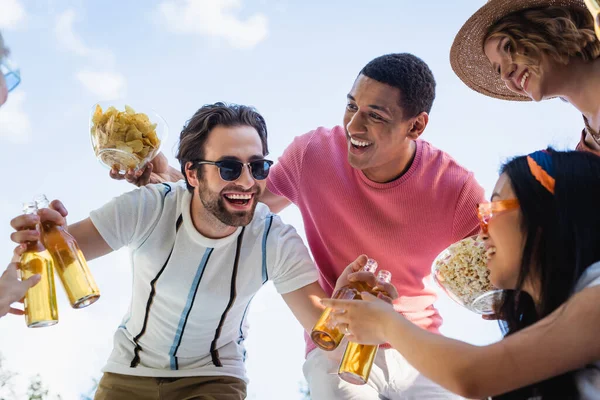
(295, 61)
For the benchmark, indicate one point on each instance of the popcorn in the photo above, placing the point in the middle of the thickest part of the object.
(462, 272)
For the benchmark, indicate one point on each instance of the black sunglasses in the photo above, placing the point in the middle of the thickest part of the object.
(230, 170)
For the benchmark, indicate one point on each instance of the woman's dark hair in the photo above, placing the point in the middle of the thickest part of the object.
(562, 241)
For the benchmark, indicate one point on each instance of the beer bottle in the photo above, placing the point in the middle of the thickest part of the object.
(325, 334)
(41, 308)
(69, 262)
(358, 358)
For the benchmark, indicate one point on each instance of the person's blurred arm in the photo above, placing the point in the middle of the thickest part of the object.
(13, 290)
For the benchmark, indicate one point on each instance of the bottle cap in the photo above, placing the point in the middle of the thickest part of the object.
(29, 207)
(371, 266)
(41, 201)
(384, 276)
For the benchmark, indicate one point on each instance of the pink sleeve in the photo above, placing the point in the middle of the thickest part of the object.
(285, 176)
(465, 221)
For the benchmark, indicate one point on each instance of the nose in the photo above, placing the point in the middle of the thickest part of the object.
(507, 70)
(356, 124)
(246, 180)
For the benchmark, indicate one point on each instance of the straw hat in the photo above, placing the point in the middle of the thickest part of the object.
(469, 61)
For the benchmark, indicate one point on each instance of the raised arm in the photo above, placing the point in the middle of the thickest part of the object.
(564, 341)
(305, 304)
(85, 233)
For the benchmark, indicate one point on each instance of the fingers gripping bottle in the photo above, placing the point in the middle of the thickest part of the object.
(358, 358)
(69, 262)
(325, 334)
(41, 308)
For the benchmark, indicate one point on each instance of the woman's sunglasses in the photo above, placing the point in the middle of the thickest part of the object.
(12, 76)
(230, 170)
(485, 211)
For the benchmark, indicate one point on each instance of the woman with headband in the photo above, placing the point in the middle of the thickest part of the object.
(543, 249)
(534, 50)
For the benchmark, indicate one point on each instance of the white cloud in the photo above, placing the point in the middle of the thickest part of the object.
(15, 125)
(104, 85)
(66, 35)
(216, 18)
(12, 14)
(69, 40)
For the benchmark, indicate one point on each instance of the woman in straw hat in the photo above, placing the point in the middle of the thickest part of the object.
(534, 50)
(542, 249)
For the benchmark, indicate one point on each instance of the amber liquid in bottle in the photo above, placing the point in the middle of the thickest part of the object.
(325, 334)
(358, 359)
(69, 262)
(41, 308)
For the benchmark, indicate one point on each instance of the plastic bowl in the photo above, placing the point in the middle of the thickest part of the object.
(126, 138)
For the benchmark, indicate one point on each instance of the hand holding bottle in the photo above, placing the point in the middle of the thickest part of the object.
(23, 224)
(356, 273)
(13, 290)
(366, 320)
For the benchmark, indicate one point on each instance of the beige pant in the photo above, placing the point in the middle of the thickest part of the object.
(392, 378)
(127, 387)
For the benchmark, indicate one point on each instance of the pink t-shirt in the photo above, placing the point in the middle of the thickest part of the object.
(402, 224)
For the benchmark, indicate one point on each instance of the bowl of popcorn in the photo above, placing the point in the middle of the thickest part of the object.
(124, 139)
(461, 272)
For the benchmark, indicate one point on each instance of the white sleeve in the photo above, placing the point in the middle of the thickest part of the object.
(589, 278)
(127, 220)
(291, 267)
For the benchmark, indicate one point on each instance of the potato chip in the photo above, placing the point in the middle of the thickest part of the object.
(124, 131)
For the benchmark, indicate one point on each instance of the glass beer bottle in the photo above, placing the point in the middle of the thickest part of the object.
(69, 262)
(325, 334)
(358, 359)
(41, 308)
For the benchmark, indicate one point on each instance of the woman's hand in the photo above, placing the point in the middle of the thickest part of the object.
(364, 321)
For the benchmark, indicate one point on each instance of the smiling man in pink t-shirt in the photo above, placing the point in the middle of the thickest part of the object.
(372, 186)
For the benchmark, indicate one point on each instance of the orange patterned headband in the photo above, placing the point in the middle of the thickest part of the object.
(541, 167)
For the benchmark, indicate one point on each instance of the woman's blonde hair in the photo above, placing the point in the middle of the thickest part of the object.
(559, 32)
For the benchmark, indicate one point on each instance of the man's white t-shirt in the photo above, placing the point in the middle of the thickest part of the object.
(191, 294)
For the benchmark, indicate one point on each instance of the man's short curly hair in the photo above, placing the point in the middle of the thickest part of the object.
(410, 75)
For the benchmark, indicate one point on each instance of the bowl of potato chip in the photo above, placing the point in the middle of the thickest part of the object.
(123, 138)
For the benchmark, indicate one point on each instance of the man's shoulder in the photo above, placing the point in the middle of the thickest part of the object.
(265, 222)
(322, 137)
(434, 157)
(162, 196)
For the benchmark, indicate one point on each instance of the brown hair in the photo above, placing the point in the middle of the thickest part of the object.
(560, 32)
(196, 130)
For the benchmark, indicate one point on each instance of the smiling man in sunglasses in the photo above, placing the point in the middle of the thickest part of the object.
(200, 250)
